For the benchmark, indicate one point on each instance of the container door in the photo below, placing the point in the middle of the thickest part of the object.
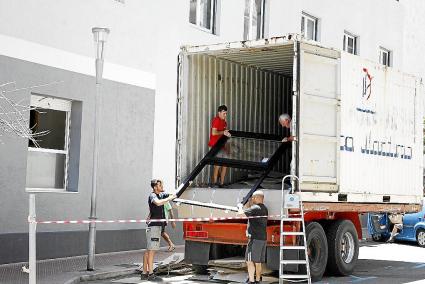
(180, 113)
(318, 118)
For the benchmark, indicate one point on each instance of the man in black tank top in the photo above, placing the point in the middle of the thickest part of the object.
(257, 236)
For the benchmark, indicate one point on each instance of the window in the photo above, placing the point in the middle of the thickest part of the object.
(385, 56)
(254, 19)
(350, 43)
(47, 162)
(309, 26)
(202, 13)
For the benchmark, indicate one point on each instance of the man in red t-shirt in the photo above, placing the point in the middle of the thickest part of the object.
(219, 128)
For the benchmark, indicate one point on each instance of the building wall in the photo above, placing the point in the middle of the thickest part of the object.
(376, 23)
(125, 159)
(45, 40)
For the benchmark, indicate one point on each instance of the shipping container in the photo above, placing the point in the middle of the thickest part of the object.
(358, 124)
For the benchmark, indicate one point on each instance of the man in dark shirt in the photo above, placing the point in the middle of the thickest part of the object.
(257, 236)
(156, 202)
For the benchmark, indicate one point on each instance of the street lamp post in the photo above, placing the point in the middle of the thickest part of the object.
(100, 35)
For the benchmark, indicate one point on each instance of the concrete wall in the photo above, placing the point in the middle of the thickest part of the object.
(125, 164)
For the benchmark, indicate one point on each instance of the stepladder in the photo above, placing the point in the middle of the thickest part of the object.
(293, 236)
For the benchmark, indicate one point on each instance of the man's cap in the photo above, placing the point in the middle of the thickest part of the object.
(258, 192)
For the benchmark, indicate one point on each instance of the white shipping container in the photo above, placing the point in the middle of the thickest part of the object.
(359, 124)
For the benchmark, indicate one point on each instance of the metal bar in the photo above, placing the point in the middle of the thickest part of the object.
(50, 151)
(32, 260)
(246, 165)
(207, 205)
(211, 153)
(210, 158)
(277, 154)
(267, 167)
(96, 144)
(253, 135)
(255, 187)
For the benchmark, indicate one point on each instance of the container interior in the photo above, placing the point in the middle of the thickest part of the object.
(256, 86)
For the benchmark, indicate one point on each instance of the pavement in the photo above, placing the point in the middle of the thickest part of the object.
(398, 263)
(72, 270)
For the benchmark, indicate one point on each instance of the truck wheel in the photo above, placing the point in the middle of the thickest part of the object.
(420, 237)
(343, 247)
(317, 249)
(200, 269)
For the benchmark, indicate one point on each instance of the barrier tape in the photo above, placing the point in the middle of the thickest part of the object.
(202, 219)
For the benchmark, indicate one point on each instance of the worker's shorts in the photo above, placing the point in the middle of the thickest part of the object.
(222, 154)
(256, 251)
(153, 237)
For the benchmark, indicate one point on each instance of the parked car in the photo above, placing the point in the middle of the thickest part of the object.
(413, 229)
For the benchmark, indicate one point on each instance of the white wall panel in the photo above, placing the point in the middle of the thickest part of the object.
(385, 126)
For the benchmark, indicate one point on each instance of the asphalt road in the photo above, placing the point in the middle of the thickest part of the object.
(378, 263)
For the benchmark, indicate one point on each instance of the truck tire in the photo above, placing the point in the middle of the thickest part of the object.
(420, 237)
(200, 269)
(343, 247)
(317, 245)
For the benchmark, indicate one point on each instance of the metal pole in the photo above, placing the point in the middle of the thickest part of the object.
(32, 241)
(92, 225)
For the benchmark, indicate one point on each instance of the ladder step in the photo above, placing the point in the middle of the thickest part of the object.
(292, 219)
(301, 261)
(294, 276)
(292, 233)
(292, 247)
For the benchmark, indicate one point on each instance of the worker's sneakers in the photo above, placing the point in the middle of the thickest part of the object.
(152, 277)
(143, 276)
(255, 282)
(149, 277)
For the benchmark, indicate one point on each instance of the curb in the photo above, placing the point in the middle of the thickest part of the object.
(101, 275)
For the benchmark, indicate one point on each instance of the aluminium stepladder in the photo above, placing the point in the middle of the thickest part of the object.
(290, 200)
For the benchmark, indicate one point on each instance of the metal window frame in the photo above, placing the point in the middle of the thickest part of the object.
(213, 10)
(57, 104)
(211, 159)
(383, 50)
(250, 19)
(304, 18)
(355, 42)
